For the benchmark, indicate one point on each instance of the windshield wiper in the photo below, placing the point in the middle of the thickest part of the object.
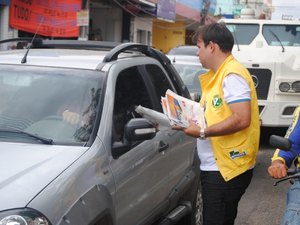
(275, 35)
(18, 131)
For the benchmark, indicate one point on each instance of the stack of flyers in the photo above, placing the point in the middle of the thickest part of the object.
(180, 110)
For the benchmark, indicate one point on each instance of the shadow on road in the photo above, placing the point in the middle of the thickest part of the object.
(263, 203)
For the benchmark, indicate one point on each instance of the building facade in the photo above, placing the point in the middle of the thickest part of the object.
(163, 24)
(5, 30)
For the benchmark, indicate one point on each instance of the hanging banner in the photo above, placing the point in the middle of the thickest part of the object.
(166, 10)
(52, 18)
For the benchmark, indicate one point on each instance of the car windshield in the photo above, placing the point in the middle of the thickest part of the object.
(56, 104)
(243, 34)
(286, 35)
(189, 74)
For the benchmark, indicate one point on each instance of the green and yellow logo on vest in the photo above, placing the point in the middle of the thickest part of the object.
(217, 101)
(236, 154)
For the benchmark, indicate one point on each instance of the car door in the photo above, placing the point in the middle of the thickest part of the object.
(181, 148)
(141, 174)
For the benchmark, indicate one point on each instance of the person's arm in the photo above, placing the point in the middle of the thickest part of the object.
(237, 95)
(278, 169)
(239, 120)
(282, 160)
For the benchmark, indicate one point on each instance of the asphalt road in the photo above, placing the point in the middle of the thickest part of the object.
(263, 203)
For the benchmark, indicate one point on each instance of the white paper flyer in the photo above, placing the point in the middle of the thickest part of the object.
(177, 111)
(180, 109)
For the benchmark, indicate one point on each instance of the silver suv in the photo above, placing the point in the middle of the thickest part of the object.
(74, 151)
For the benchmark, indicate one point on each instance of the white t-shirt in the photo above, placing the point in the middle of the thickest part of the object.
(235, 89)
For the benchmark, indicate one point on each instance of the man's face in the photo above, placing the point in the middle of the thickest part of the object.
(202, 53)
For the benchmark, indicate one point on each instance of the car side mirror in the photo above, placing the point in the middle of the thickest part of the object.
(137, 129)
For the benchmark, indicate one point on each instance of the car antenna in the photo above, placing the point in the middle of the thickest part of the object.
(24, 59)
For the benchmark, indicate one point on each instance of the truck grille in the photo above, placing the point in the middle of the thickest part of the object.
(262, 79)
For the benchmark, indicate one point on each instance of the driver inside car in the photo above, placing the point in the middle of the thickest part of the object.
(72, 117)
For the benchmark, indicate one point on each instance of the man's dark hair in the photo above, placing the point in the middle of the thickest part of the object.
(217, 33)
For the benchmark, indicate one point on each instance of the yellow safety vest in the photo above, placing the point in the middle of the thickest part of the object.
(234, 153)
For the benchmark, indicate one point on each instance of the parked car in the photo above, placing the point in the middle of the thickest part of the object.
(74, 151)
(189, 69)
(184, 50)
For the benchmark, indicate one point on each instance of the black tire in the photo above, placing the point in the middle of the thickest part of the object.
(196, 217)
(194, 195)
(197, 212)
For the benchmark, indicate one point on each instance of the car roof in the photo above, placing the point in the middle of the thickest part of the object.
(184, 59)
(184, 50)
(72, 53)
(84, 59)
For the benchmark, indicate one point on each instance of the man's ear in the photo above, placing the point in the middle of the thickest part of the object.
(211, 46)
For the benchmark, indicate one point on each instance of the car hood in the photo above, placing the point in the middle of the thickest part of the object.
(26, 169)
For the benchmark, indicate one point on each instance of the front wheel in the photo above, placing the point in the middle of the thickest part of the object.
(197, 212)
(196, 216)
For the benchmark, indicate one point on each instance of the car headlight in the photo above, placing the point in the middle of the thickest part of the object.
(284, 87)
(296, 86)
(23, 217)
(289, 86)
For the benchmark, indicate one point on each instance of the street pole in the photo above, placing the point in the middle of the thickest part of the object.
(206, 4)
(84, 29)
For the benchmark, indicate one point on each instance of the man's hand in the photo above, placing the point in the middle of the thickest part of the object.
(71, 117)
(277, 169)
(192, 130)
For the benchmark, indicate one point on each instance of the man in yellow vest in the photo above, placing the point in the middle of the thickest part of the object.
(228, 146)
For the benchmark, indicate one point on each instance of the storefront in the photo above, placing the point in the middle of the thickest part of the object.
(5, 30)
(130, 21)
(152, 22)
(170, 32)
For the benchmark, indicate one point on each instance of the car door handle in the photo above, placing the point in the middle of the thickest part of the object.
(162, 146)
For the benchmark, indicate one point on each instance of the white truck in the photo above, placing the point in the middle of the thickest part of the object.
(271, 52)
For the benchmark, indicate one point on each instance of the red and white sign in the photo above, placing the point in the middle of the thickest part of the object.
(53, 18)
(83, 18)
